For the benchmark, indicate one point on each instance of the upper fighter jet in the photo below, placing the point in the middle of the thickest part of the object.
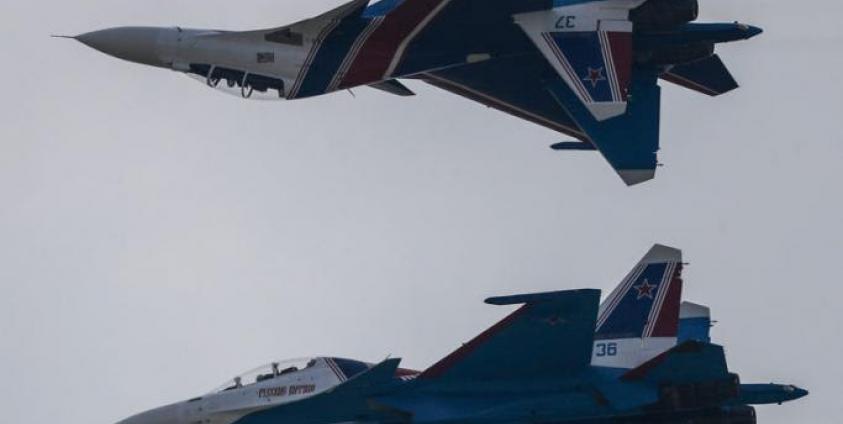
(586, 68)
(641, 357)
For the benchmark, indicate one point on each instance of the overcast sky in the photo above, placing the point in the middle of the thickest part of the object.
(157, 237)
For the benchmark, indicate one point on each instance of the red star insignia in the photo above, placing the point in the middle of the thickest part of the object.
(594, 76)
(553, 320)
(645, 289)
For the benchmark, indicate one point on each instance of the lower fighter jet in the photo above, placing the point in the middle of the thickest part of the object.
(642, 356)
(585, 68)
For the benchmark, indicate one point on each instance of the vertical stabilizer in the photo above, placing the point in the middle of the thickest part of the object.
(694, 322)
(640, 319)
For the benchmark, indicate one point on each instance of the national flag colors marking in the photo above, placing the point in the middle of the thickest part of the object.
(383, 50)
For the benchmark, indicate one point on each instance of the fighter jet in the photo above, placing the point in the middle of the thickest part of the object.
(642, 356)
(588, 69)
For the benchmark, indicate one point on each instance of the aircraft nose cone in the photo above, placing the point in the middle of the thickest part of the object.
(135, 44)
(165, 415)
(799, 393)
(752, 31)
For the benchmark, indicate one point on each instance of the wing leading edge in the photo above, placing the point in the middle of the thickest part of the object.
(551, 335)
(513, 85)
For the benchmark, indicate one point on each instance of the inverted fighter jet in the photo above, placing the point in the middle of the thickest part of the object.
(642, 356)
(586, 68)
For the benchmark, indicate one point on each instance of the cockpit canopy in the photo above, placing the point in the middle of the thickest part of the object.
(345, 369)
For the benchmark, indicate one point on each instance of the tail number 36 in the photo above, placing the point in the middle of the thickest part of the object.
(605, 349)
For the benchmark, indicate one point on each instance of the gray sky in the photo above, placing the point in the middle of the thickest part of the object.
(157, 237)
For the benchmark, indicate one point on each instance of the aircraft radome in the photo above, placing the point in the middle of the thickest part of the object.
(641, 357)
(588, 69)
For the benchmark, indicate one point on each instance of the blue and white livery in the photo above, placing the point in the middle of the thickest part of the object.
(588, 69)
(559, 357)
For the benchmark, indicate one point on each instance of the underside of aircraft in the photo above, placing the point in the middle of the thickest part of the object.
(588, 69)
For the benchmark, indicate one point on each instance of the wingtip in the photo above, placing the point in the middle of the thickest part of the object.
(636, 176)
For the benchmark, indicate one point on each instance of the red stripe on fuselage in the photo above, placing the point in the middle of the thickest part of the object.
(377, 53)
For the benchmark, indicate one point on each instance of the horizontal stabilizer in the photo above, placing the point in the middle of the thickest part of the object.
(707, 76)
(689, 362)
(625, 397)
(550, 336)
(393, 86)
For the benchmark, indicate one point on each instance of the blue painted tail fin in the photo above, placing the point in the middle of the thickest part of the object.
(640, 319)
(646, 303)
(694, 322)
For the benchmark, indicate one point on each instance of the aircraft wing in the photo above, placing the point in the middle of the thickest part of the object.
(512, 85)
(550, 336)
(291, 34)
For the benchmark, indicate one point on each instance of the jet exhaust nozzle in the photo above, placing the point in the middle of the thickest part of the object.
(665, 14)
